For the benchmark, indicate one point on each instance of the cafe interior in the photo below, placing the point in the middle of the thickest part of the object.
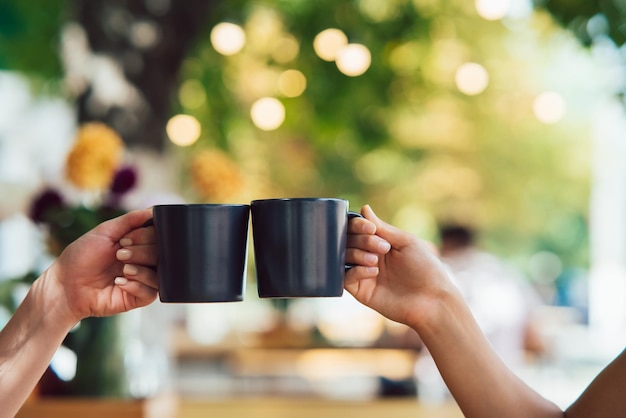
(505, 117)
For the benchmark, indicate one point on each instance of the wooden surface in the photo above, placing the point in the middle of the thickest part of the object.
(285, 408)
(235, 408)
(164, 407)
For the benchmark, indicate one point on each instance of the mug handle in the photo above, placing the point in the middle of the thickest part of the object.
(149, 222)
(350, 216)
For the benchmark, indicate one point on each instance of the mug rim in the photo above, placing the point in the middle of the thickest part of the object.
(298, 199)
(201, 205)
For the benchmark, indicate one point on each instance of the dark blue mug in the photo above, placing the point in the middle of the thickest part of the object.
(300, 246)
(202, 252)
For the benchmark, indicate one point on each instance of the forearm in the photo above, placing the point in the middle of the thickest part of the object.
(604, 398)
(480, 382)
(27, 343)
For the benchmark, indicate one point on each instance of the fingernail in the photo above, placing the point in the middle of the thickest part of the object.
(126, 242)
(371, 258)
(130, 269)
(121, 281)
(384, 246)
(123, 254)
(371, 270)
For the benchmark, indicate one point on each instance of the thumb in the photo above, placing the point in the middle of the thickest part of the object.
(116, 228)
(394, 236)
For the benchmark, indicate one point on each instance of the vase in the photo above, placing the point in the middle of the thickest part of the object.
(100, 368)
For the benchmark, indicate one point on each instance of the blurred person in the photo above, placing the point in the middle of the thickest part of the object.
(502, 302)
(105, 272)
(401, 277)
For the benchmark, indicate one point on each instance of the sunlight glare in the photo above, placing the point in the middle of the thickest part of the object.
(183, 130)
(354, 59)
(328, 42)
(471, 78)
(267, 113)
(228, 38)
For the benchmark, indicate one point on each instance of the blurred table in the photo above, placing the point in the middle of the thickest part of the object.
(235, 408)
(285, 368)
(300, 408)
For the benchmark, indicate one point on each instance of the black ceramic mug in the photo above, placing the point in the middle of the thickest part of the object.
(202, 252)
(300, 246)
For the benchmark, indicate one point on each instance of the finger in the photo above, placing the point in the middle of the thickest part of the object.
(370, 243)
(359, 257)
(144, 255)
(139, 236)
(395, 236)
(359, 225)
(116, 228)
(144, 295)
(358, 273)
(142, 274)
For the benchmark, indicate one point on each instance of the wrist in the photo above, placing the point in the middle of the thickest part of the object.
(47, 293)
(438, 310)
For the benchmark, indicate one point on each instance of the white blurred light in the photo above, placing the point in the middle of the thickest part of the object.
(353, 59)
(328, 42)
(346, 322)
(228, 38)
(183, 130)
(209, 324)
(549, 107)
(471, 78)
(267, 113)
(64, 363)
(492, 9)
(292, 83)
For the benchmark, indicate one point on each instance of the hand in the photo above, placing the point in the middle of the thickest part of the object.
(408, 277)
(106, 271)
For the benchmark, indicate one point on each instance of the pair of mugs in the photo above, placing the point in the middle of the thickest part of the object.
(299, 249)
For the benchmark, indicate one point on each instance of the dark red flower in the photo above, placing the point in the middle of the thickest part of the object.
(124, 180)
(48, 200)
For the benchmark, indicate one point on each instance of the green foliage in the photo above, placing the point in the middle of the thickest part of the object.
(29, 36)
(67, 224)
(7, 289)
(401, 136)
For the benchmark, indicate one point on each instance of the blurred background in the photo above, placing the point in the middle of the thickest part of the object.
(504, 116)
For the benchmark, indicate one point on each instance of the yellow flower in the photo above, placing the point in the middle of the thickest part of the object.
(215, 176)
(95, 157)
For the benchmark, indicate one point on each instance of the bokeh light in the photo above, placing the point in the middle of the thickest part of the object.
(353, 59)
(183, 130)
(328, 42)
(286, 49)
(191, 94)
(492, 9)
(471, 78)
(228, 38)
(378, 11)
(144, 34)
(267, 113)
(291, 83)
(549, 107)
